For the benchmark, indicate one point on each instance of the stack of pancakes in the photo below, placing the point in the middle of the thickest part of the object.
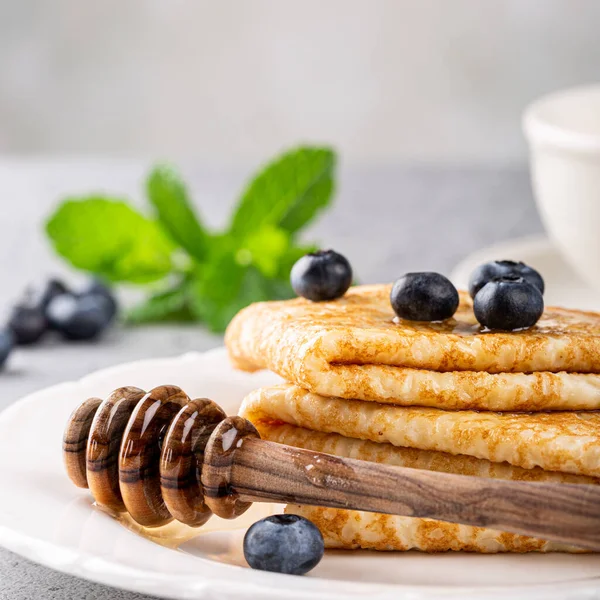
(443, 396)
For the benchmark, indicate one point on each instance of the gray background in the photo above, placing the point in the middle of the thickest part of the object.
(234, 80)
(386, 220)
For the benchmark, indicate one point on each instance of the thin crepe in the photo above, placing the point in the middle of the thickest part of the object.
(565, 442)
(354, 348)
(414, 458)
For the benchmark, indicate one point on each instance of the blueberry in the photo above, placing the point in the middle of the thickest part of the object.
(6, 345)
(53, 288)
(79, 317)
(97, 287)
(508, 303)
(323, 275)
(501, 268)
(27, 320)
(40, 295)
(284, 544)
(424, 297)
(27, 324)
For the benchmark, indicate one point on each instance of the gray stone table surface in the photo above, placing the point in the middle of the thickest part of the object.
(387, 220)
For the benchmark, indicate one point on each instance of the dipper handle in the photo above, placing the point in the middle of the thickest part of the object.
(266, 471)
(160, 455)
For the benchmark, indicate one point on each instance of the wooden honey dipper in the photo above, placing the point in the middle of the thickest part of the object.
(161, 456)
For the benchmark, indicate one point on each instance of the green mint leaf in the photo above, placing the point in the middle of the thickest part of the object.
(214, 291)
(170, 198)
(170, 305)
(287, 193)
(316, 198)
(223, 286)
(252, 286)
(107, 237)
(264, 249)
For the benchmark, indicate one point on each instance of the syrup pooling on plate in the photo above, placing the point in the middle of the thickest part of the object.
(177, 536)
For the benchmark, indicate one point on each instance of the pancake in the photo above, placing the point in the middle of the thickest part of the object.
(414, 458)
(350, 529)
(565, 442)
(354, 348)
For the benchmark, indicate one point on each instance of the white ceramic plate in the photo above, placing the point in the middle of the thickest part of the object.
(563, 286)
(46, 519)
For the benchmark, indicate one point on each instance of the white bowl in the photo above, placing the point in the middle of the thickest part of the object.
(563, 131)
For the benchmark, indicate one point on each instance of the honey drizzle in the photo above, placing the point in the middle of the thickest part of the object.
(176, 534)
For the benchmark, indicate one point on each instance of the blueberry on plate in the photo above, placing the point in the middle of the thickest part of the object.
(424, 297)
(322, 275)
(502, 268)
(98, 288)
(284, 544)
(6, 345)
(508, 303)
(27, 324)
(79, 317)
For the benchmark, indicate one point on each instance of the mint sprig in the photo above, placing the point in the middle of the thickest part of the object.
(169, 197)
(201, 275)
(288, 192)
(107, 237)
